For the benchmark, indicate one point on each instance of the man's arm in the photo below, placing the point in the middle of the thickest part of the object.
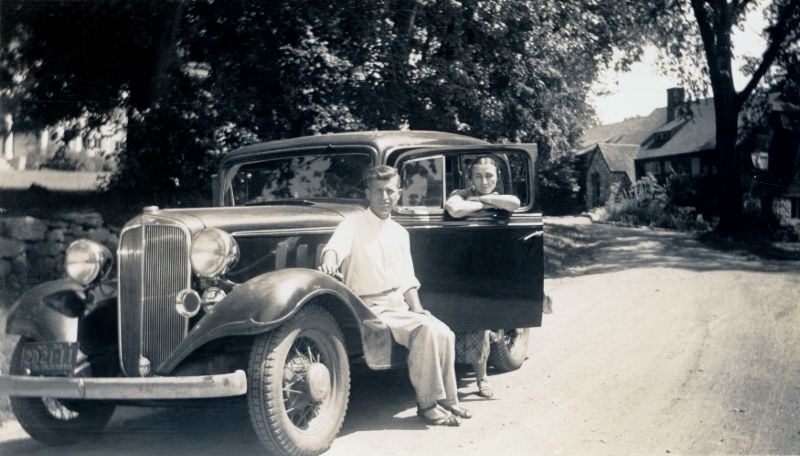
(337, 248)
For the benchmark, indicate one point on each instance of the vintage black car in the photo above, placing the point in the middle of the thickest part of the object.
(226, 301)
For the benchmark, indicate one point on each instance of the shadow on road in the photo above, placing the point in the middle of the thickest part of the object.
(378, 401)
(579, 249)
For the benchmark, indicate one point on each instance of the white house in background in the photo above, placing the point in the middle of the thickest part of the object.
(30, 149)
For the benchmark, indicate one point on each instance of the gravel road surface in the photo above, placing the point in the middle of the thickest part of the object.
(657, 345)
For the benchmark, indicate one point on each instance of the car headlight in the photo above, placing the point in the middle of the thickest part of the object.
(86, 260)
(213, 252)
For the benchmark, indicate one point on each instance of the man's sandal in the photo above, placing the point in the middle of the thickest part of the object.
(434, 416)
(485, 390)
(456, 410)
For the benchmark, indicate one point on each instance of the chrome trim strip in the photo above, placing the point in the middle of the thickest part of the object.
(407, 223)
(284, 232)
(189, 387)
(492, 226)
(533, 235)
(119, 294)
(516, 217)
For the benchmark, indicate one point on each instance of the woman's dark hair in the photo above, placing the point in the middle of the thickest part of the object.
(482, 160)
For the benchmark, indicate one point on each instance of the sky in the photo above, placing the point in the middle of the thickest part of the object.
(642, 89)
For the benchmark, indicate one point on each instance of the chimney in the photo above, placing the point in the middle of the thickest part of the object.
(675, 98)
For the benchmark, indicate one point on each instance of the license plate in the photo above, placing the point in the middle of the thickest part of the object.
(50, 357)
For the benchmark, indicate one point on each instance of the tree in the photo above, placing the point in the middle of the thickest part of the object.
(715, 21)
(198, 78)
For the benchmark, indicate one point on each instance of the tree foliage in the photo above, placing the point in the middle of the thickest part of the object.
(699, 32)
(201, 77)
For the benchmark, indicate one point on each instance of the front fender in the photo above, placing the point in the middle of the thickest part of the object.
(48, 312)
(263, 303)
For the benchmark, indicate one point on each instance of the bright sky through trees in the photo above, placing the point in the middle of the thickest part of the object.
(638, 91)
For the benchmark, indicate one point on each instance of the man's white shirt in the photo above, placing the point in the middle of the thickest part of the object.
(374, 254)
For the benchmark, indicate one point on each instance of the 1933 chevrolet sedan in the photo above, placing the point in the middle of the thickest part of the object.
(226, 301)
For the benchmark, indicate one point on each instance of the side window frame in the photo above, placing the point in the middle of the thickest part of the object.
(456, 175)
(422, 210)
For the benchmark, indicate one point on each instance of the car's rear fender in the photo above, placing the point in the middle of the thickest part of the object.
(268, 300)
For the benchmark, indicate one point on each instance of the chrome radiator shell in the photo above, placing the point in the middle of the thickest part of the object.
(153, 267)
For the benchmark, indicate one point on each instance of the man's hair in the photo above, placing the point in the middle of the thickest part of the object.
(381, 172)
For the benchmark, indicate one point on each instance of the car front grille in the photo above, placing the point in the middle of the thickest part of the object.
(153, 268)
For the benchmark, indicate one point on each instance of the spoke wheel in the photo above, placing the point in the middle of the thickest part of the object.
(510, 349)
(299, 384)
(57, 421)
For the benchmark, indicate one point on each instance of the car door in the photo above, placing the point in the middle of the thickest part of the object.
(483, 271)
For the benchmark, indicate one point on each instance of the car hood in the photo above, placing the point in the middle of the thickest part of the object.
(250, 218)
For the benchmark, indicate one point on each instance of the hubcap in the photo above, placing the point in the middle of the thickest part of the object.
(306, 382)
(319, 382)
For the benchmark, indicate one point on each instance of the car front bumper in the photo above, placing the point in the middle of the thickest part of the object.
(188, 387)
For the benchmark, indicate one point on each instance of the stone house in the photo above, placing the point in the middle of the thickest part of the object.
(605, 165)
(620, 143)
(680, 139)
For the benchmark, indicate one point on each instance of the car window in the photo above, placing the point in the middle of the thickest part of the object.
(513, 173)
(307, 176)
(422, 182)
(519, 163)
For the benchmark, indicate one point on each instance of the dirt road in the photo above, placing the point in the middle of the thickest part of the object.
(657, 345)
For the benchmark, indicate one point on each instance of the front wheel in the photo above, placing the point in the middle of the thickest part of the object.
(299, 384)
(56, 421)
(510, 349)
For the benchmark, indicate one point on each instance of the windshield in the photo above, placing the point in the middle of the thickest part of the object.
(301, 177)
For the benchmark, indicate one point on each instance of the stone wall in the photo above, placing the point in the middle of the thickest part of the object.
(32, 249)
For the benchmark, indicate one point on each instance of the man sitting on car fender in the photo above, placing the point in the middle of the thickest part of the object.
(380, 270)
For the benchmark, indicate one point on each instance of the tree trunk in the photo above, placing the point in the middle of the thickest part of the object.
(730, 186)
(715, 22)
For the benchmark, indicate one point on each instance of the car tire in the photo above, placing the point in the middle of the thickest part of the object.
(510, 349)
(57, 421)
(299, 384)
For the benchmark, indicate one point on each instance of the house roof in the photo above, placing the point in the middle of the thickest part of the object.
(655, 136)
(633, 130)
(58, 181)
(692, 134)
(619, 158)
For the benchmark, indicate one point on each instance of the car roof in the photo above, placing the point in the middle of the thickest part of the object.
(381, 140)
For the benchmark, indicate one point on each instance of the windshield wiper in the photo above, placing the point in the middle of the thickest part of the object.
(281, 201)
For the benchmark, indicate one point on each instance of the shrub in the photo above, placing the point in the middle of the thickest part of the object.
(652, 204)
(558, 186)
